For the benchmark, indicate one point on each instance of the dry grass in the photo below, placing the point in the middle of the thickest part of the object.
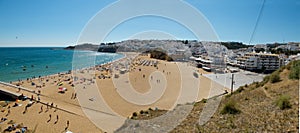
(258, 111)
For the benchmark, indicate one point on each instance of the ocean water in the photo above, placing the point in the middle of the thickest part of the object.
(22, 63)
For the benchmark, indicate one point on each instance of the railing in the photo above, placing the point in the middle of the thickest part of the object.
(17, 87)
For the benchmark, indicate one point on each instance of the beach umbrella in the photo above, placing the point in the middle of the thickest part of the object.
(60, 84)
(61, 89)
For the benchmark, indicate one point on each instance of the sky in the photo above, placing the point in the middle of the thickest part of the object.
(61, 22)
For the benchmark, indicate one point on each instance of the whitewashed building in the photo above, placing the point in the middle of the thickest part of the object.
(260, 61)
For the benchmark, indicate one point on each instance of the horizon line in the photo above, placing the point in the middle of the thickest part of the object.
(66, 45)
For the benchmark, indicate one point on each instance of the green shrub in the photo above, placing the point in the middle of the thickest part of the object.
(266, 88)
(204, 100)
(134, 114)
(275, 77)
(142, 112)
(257, 84)
(295, 70)
(239, 90)
(283, 102)
(230, 108)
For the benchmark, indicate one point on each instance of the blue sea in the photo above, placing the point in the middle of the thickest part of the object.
(23, 63)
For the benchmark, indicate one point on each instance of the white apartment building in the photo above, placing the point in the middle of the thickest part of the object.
(260, 61)
(180, 55)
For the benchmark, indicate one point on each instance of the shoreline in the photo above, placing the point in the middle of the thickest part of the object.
(67, 71)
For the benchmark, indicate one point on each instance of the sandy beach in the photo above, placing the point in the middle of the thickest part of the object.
(104, 94)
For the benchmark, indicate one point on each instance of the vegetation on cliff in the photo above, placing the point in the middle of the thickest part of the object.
(159, 54)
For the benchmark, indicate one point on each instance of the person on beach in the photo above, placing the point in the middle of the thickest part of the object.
(56, 119)
(8, 112)
(25, 110)
(41, 108)
(67, 125)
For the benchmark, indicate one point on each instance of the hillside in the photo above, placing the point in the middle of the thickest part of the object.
(268, 106)
(235, 45)
(159, 54)
(258, 108)
(85, 46)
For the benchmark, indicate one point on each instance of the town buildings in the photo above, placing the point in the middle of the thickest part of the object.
(260, 62)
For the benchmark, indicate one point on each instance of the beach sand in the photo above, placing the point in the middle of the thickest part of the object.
(167, 73)
(68, 110)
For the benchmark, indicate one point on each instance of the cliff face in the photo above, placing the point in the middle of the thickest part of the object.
(89, 47)
(70, 48)
(92, 47)
(108, 49)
